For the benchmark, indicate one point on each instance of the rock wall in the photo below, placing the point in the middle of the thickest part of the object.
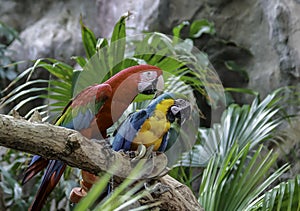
(263, 34)
(268, 29)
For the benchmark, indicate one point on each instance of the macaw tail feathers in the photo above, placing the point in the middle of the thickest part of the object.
(50, 179)
(36, 165)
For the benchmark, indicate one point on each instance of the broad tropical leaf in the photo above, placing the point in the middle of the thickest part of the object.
(89, 40)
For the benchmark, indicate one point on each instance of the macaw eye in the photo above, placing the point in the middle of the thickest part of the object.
(175, 110)
(149, 75)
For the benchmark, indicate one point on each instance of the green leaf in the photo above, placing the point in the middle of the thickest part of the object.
(21, 76)
(61, 84)
(117, 44)
(58, 69)
(38, 108)
(101, 43)
(247, 124)
(94, 72)
(243, 91)
(119, 31)
(285, 196)
(124, 64)
(177, 31)
(88, 39)
(200, 27)
(80, 60)
(8, 33)
(234, 182)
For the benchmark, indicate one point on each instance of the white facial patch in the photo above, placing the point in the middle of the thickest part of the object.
(148, 76)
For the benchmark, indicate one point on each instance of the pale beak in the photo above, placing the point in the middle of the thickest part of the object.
(181, 110)
(160, 85)
(151, 87)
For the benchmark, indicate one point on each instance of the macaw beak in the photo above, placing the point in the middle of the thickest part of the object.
(150, 87)
(181, 110)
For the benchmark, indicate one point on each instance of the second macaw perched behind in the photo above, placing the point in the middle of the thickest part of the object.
(91, 113)
(152, 126)
(156, 126)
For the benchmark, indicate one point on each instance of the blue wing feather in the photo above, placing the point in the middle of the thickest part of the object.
(130, 127)
(128, 130)
(164, 143)
(82, 120)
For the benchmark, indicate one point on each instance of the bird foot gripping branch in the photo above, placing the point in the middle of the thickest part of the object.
(153, 171)
(142, 152)
(155, 166)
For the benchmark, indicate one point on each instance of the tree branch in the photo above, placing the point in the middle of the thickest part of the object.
(53, 142)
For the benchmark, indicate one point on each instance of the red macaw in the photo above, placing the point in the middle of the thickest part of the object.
(91, 113)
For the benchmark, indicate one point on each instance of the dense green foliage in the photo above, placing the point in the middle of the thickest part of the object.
(235, 164)
(7, 71)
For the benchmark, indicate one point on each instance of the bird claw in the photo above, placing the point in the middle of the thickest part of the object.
(141, 153)
(149, 151)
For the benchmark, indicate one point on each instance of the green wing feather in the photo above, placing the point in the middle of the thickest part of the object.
(80, 112)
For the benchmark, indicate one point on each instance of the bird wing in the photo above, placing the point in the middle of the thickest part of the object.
(169, 139)
(80, 112)
(128, 130)
(77, 115)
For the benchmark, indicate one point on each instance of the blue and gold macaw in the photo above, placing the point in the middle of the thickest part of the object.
(152, 126)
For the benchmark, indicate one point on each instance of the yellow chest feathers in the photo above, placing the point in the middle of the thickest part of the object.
(155, 127)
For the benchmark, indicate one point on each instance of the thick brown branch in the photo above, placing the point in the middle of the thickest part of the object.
(53, 142)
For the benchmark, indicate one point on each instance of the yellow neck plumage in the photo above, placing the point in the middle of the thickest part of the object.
(155, 127)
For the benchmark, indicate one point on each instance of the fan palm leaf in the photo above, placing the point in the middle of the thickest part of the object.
(233, 182)
(245, 124)
(285, 196)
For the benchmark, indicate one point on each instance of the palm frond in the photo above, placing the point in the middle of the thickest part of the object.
(252, 124)
(57, 89)
(180, 59)
(127, 193)
(285, 196)
(233, 182)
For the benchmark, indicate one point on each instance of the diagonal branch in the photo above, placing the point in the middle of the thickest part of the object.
(53, 142)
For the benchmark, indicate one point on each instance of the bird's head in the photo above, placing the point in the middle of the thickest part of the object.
(145, 79)
(150, 81)
(176, 106)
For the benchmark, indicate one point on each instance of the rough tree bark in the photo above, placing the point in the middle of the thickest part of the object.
(55, 142)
